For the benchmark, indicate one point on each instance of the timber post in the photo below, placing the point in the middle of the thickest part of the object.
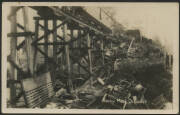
(13, 56)
(46, 41)
(67, 58)
(90, 58)
(28, 41)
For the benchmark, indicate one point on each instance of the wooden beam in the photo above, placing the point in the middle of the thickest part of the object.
(87, 61)
(76, 61)
(67, 57)
(20, 26)
(61, 38)
(53, 32)
(130, 45)
(80, 36)
(54, 49)
(46, 41)
(79, 52)
(42, 27)
(28, 39)
(58, 12)
(54, 40)
(75, 43)
(90, 57)
(35, 52)
(102, 49)
(72, 46)
(21, 44)
(20, 34)
(13, 54)
(46, 18)
(81, 48)
(61, 50)
(52, 43)
(49, 32)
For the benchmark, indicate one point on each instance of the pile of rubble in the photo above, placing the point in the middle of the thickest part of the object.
(122, 83)
(119, 94)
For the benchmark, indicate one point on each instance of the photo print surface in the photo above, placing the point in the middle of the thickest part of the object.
(90, 57)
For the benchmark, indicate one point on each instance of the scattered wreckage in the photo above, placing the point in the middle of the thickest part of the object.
(113, 88)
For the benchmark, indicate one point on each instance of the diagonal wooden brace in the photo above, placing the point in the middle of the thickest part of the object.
(49, 32)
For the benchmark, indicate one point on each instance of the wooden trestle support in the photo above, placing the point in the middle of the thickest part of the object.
(88, 39)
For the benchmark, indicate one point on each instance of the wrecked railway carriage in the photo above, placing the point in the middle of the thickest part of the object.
(72, 60)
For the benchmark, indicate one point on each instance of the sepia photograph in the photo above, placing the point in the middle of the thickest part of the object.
(88, 57)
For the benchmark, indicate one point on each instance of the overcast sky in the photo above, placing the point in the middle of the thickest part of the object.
(153, 19)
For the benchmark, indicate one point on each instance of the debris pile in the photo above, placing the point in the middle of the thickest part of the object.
(129, 79)
(124, 93)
